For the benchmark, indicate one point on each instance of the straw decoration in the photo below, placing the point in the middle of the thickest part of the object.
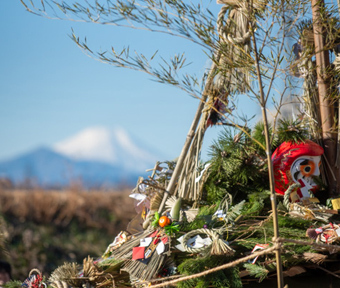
(235, 43)
(138, 269)
(124, 252)
(188, 188)
(217, 247)
(291, 188)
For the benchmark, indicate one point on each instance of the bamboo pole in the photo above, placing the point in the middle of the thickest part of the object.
(280, 282)
(326, 105)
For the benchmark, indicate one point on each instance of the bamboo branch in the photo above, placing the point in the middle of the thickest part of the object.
(270, 164)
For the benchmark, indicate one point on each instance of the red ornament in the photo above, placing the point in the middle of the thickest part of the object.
(283, 158)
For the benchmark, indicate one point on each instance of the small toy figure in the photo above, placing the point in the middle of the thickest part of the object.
(297, 163)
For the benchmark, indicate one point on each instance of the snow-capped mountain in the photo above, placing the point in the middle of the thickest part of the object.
(110, 146)
(94, 157)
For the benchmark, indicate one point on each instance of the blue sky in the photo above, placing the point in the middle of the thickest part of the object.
(50, 90)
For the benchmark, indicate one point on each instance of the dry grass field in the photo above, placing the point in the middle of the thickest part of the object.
(43, 229)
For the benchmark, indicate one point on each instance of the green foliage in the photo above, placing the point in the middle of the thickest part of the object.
(155, 220)
(110, 265)
(256, 203)
(259, 135)
(222, 278)
(213, 191)
(292, 222)
(234, 212)
(253, 208)
(290, 227)
(236, 167)
(256, 270)
(171, 229)
(287, 130)
(198, 223)
(208, 210)
(13, 284)
(291, 130)
(204, 217)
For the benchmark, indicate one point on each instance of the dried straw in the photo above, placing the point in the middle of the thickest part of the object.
(235, 46)
(187, 187)
(124, 252)
(146, 271)
(314, 257)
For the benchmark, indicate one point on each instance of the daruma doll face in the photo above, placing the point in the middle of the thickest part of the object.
(296, 163)
(305, 168)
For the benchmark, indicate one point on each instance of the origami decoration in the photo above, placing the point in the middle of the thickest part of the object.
(297, 163)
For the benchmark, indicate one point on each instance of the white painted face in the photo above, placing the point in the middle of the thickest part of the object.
(303, 169)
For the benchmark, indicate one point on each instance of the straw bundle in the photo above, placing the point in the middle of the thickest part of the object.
(125, 251)
(146, 271)
(235, 44)
(188, 188)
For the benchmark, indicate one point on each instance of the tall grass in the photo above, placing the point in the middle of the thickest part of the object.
(43, 229)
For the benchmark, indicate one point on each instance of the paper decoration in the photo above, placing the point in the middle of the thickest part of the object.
(160, 248)
(142, 187)
(154, 234)
(145, 242)
(258, 247)
(336, 203)
(194, 242)
(338, 232)
(138, 253)
(204, 242)
(34, 281)
(139, 197)
(201, 174)
(165, 239)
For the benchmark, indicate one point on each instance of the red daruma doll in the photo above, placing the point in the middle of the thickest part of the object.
(297, 163)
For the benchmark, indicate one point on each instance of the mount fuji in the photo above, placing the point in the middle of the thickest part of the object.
(114, 147)
(95, 157)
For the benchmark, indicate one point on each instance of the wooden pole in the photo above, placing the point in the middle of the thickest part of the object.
(325, 103)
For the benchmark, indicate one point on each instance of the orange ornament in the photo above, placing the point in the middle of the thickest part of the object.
(164, 221)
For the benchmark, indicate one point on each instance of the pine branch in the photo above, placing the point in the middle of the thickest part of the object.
(257, 271)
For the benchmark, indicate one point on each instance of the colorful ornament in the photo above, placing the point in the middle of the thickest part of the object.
(34, 280)
(164, 221)
(326, 234)
(297, 163)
